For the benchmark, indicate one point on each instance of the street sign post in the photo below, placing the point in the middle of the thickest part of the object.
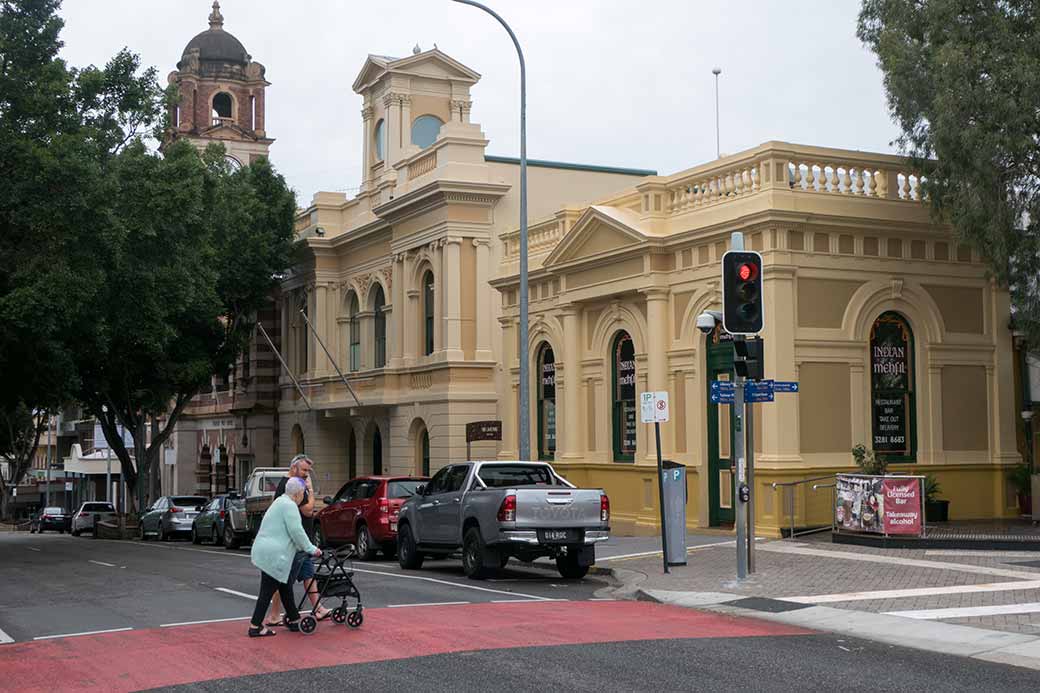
(654, 409)
(481, 430)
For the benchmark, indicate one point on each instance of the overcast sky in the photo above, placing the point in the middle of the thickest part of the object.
(612, 82)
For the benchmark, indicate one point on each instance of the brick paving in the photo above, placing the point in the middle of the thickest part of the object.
(780, 573)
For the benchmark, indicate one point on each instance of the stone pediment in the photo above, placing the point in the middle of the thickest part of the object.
(228, 131)
(431, 64)
(599, 231)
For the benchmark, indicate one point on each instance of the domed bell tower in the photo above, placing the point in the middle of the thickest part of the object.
(221, 92)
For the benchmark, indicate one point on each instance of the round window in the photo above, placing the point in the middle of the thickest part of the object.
(425, 130)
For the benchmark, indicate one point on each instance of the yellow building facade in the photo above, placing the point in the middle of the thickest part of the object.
(896, 336)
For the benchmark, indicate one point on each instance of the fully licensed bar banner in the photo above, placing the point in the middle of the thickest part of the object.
(882, 505)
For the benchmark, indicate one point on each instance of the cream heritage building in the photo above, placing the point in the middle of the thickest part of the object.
(897, 337)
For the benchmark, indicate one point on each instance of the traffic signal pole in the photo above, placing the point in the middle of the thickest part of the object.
(738, 454)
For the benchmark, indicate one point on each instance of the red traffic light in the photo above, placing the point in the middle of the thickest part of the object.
(747, 272)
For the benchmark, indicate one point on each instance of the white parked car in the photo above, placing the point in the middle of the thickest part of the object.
(89, 513)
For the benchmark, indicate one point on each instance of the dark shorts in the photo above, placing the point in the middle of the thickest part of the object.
(302, 567)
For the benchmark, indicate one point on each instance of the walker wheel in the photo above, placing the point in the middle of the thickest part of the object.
(308, 624)
(339, 614)
(355, 618)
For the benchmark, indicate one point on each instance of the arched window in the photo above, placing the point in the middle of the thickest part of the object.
(425, 129)
(623, 394)
(423, 453)
(354, 333)
(427, 294)
(546, 403)
(222, 105)
(297, 440)
(378, 303)
(892, 390)
(377, 452)
(380, 139)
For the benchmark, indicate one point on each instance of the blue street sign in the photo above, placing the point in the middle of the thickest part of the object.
(722, 397)
(758, 396)
(724, 385)
(785, 386)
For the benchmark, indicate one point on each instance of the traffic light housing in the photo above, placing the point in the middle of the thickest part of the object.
(742, 312)
(749, 358)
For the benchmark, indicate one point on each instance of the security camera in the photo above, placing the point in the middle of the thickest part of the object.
(319, 232)
(706, 323)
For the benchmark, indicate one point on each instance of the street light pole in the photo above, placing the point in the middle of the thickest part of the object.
(717, 71)
(525, 366)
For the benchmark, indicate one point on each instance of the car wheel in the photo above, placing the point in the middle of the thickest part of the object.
(365, 546)
(230, 538)
(408, 555)
(140, 532)
(194, 536)
(75, 532)
(162, 533)
(319, 536)
(473, 555)
(216, 537)
(569, 568)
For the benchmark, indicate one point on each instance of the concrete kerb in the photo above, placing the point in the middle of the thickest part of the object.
(1016, 649)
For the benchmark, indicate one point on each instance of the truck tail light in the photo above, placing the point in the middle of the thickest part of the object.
(604, 508)
(221, 514)
(507, 511)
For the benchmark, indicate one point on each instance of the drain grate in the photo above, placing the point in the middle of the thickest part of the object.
(773, 606)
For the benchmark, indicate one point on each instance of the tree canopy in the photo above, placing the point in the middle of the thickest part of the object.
(128, 276)
(963, 83)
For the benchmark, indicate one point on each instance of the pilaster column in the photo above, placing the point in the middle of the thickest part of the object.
(366, 144)
(283, 338)
(368, 339)
(437, 250)
(572, 447)
(451, 267)
(392, 102)
(657, 326)
(406, 122)
(484, 292)
(932, 440)
(317, 317)
(395, 337)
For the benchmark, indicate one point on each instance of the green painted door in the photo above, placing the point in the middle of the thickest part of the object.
(720, 435)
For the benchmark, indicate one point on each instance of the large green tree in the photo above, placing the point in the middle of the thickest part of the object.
(963, 82)
(127, 276)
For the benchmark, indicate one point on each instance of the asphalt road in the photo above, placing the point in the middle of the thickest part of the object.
(57, 584)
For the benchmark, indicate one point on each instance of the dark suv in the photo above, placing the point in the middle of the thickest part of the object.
(364, 513)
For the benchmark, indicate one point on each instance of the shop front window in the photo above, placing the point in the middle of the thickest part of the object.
(892, 390)
(624, 398)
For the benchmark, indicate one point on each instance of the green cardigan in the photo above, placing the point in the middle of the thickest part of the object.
(281, 535)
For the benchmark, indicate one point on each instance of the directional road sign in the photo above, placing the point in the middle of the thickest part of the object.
(785, 386)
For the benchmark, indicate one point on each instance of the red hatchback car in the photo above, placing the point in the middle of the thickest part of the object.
(364, 513)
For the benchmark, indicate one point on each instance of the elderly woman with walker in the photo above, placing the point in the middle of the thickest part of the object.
(280, 537)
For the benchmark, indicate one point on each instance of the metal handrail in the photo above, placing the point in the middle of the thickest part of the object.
(789, 494)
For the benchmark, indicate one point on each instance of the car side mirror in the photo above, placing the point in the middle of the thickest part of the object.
(327, 500)
(420, 490)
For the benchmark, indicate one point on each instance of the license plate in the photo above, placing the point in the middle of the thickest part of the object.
(558, 536)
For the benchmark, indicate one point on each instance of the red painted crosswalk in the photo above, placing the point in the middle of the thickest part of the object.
(139, 659)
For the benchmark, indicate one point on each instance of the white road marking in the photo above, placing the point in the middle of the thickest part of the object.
(32, 548)
(110, 565)
(89, 632)
(778, 547)
(401, 606)
(601, 599)
(969, 611)
(689, 550)
(236, 593)
(524, 601)
(5, 638)
(980, 553)
(212, 620)
(916, 592)
(453, 584)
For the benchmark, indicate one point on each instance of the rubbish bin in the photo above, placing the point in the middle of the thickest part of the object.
(675, 498)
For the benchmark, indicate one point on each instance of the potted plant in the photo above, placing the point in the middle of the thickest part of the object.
(868, 462)
(1021, 479)
(935, 510)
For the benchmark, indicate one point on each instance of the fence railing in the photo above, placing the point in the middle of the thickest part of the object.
(810, 499)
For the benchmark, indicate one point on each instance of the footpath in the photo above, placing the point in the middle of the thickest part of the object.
(981, 604)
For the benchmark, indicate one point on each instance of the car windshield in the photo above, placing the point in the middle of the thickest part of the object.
(237, 502)
(503, 475)
(98, 508)
(269, 484)
(188, 501)
(53, 511)
(402, 488)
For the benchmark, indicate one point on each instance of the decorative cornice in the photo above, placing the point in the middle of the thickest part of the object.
(367, 112)
(395, 98)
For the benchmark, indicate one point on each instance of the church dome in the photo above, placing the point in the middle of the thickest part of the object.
(217, 45)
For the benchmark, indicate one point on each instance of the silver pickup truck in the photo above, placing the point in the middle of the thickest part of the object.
(497, 510)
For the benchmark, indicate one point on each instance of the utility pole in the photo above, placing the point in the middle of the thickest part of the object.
(717, 71)
(47, 493)
(525, 364)
(739, 440)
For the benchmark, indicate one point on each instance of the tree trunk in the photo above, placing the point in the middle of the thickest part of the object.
(155, 469)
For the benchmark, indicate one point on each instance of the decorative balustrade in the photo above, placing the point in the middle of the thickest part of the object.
(422, 165)
(540, 238)
(811, 170)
